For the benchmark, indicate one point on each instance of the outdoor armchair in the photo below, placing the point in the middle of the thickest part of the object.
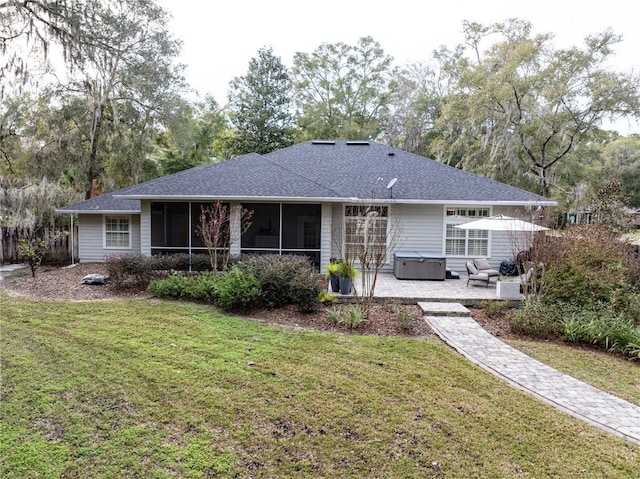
(473, 274)
(483, 266)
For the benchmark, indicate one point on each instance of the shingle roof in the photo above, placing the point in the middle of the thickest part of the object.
(331, 171)
(104, 204)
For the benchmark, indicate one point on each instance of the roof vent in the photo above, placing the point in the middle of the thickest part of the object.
(391, 153)
(323, 142)
(360, 143)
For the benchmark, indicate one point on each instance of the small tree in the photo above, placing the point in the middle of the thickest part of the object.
(218, 232)
(33, 249)
(369, 238)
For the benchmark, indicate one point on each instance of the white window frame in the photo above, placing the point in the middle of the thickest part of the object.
(457, 215)
(105, 231)
(346, 219)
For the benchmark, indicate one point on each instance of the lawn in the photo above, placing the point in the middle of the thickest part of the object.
(167, 389)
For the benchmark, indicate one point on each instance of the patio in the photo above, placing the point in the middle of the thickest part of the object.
(405, 291)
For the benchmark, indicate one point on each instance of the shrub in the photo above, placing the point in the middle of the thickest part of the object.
(590, 265)
(32, 252)
(591, 291)
(305, 288)
(406, 320)
(202, 287)
(334, 315)
(600, 326)
(537, 320)
(236, 289)
(172, 287)
(278, 276)
(137, 270)
(353, 316)
(493, 309)
(134, 270)
(325, 297)
(56, 258)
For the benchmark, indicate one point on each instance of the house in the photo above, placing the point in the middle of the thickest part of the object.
(309, 199)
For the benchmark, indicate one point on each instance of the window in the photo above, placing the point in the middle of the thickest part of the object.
(465, 242)
(117, 232)
(365, 225)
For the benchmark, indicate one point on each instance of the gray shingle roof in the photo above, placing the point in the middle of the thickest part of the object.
(330, 171)
(104, 204)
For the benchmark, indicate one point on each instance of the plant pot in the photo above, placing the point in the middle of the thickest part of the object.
(334, 281)
(508, 289)
(345, 285)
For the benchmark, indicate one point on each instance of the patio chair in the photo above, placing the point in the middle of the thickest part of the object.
(483, 266)
(525, 279)
(473, 274)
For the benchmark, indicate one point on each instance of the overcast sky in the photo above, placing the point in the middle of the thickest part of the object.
(220, 37)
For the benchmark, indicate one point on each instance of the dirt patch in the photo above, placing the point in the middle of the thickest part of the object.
(65, 283)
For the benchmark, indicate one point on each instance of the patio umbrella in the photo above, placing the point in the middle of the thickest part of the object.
(501, 223)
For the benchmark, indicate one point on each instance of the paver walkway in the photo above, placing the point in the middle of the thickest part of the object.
(578, 399)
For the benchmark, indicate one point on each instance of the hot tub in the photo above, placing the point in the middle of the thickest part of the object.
(419, 265)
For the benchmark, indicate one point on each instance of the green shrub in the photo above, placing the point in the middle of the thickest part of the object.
(202, 287)
(589, 265)
(325, 297)
(334, 315)
(137, 270)
(353, 317)
(56, 258)
(236, 289)
(131, 271)
(494, 309)
(601, 326)
(32, 251)
(277, 277)
(407, 321)
(305, 288)
(538, 320)
(172, 287)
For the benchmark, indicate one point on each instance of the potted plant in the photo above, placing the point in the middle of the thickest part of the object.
(333, 274)
(346, 273)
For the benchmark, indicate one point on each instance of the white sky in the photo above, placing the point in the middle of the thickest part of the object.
(220, 37)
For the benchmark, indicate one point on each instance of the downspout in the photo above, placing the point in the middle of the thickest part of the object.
(72, 242)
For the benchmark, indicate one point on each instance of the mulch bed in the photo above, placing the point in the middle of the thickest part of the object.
(65, 283)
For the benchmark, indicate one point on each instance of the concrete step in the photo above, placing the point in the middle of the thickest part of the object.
(443, 309)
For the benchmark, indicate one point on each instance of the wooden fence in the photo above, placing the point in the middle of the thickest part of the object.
(10, 240)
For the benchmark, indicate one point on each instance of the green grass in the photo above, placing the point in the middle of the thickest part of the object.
(168, 389)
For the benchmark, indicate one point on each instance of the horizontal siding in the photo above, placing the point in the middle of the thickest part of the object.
(337, 223)
(145, 227)
(325, 235)
(412, 228)
(415, 228)
(90, 239)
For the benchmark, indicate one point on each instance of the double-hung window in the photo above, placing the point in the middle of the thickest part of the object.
(117, 232)
(461, 242)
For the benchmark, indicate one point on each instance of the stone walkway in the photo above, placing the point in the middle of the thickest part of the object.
(6, 269)
(580, 400)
